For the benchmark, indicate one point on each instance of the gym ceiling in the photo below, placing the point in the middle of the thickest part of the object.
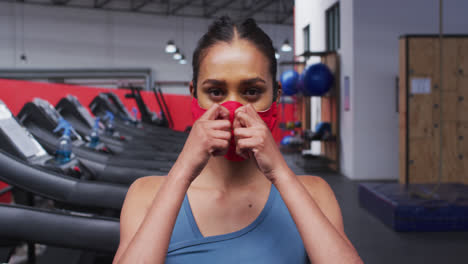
(264, 11)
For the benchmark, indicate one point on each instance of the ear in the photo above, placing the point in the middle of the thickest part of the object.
(192, 89)
(279, 92)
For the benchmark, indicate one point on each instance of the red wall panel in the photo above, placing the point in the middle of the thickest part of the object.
(16, 93)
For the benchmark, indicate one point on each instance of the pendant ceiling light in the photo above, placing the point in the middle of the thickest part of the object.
(183, 60)
(171, 47)
(286, 47)
(277, 55)
(177, 55)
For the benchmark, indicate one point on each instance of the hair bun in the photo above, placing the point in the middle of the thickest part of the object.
(250, 22)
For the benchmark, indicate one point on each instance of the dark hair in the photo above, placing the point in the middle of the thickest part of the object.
(223, 30)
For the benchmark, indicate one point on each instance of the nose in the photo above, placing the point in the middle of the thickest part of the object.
(234, 97)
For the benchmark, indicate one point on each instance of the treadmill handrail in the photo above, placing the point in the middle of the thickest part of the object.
(21, 223)
(60, 187)
(168, 113)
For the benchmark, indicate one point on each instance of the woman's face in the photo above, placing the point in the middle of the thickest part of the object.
(235, 71)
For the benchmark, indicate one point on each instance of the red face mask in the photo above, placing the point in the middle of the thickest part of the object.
(268, 116)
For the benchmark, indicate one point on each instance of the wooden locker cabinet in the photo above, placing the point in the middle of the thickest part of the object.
(420, 100)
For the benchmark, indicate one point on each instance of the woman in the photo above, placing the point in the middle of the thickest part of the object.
(230, 197)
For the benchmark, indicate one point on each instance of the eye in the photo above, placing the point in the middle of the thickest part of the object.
(216, 93)
(252, 94)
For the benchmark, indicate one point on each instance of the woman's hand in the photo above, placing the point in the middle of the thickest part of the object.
(209, 136)
(254, 139)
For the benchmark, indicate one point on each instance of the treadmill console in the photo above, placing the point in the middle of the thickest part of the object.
(15, 139)
(54, 116)
(70, 108)
(48, 109)
(82, 110)
(115, 100)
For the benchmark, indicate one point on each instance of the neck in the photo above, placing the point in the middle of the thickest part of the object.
(225, 175)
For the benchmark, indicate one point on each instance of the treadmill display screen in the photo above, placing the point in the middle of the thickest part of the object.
(48, 108)
(114, 99)
(23, 140)
(83, 111)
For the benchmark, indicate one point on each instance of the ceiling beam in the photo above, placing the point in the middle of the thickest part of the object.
(285, 18)
(168, 7)
(135, 6)
(205, 5)
(287, 14)
(217, 8)
(101, 4)
(259, 7)
(60, 2)
(162, 13)
(180, 6)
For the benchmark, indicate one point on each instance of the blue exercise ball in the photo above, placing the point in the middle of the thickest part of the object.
(286, 140)
(318, 80)
(300, 85)
(322, 128)
(288, 81)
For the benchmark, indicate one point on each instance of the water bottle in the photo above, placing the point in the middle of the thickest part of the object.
(134, 120)
(64, 148)
(94, 134)
(110, 123)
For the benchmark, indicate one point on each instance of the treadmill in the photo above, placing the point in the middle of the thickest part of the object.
(124, 121)
(81, 208)
(78, 116)
(27, 166)
(70, 239)
(40, 118)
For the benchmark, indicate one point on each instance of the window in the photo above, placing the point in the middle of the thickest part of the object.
(306, 35)
(332, 16)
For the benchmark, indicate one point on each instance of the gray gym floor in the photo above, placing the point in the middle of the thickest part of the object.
(374, 241)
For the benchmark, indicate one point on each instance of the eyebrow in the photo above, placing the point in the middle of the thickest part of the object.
(243, 82)
(214, 82)
(252, 81)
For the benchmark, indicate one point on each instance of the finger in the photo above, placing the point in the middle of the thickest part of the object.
(245, 144)
(223, 113)
(219, 125)
(216, 111)
(243, 132)
(250, 110)
(243, 153)
(221, 134)
(219, 147)
(240, 109)
(236, 123)
(245, 120)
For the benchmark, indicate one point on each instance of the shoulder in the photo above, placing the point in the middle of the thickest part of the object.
(142, 191)
(147, 184)
(316, 186)
(139, 198)
(136, 205)
(325, 198)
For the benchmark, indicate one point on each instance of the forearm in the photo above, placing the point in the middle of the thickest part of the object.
(322, 241)
(151, 241)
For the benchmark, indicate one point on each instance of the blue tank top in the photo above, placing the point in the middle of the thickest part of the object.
(271, 238)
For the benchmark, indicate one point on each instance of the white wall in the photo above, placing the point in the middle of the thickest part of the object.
(57, 37)
(369, 56)
(378, 25)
